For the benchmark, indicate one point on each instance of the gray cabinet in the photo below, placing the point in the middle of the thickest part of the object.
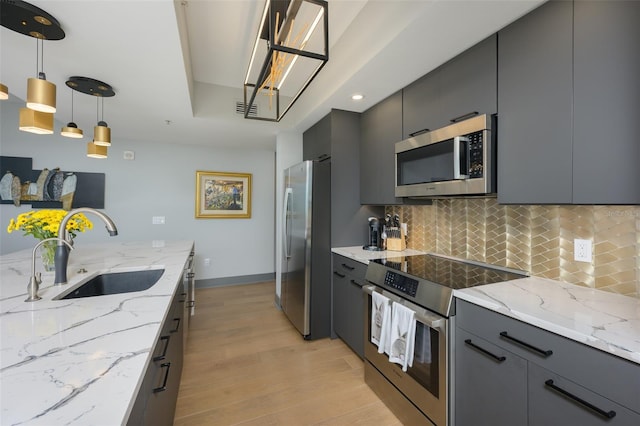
(463, 87)
(535, 107)
(567, 92)
(316, 143)
(566, 382)
(155, 403)
(490, 383)
(381, 128)
(606, 102)
(341, 131)
(348, 303)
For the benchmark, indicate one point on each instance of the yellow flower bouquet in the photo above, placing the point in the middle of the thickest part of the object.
(44, 224)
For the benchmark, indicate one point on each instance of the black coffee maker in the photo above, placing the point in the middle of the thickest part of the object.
(376, 226)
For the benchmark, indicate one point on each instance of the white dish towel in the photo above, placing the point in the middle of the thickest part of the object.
(380, 320)
(403, 335)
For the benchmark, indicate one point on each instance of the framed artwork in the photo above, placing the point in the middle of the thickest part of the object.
(221, 195)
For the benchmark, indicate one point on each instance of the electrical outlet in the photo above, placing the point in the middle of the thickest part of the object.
(582, 251)
(207, 262)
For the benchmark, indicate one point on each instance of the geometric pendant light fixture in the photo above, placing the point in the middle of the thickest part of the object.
(4, 92)
(32, 21)
(290, 49)
(97, 148)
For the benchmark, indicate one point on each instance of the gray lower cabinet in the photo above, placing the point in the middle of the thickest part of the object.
(381, 127)
(155, 403)
(348, 303)
(490, 383)
(508, 372)
(567, 95)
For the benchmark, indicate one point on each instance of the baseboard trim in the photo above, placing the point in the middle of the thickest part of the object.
(239, 280)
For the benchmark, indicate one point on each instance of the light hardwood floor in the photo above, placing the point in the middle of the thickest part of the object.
(245, 364)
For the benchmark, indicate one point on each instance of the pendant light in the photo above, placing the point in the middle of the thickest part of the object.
(96, 151)
(41, 94)
(102, 132)
(71, 130)
(30, 20)
(40, 123)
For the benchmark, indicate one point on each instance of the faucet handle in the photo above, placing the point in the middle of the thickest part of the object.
(38, 277)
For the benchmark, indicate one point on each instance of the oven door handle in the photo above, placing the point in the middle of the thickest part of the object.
(432, 321)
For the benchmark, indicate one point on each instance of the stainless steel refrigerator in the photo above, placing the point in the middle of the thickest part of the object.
(306, 262)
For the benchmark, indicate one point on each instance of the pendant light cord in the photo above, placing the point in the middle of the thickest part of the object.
(72, 105)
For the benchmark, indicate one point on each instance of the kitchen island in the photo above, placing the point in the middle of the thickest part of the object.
(82, 361)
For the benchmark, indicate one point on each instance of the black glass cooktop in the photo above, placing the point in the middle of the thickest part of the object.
(447, 272)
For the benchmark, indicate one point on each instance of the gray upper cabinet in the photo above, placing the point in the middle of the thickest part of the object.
(381, 127)
(606, 102)
(535, 107)
(469, 83)
(568, 96)
(316, 143)
(421, 105)
(465, 85)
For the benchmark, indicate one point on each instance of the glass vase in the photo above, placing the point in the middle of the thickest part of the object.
(48, 253)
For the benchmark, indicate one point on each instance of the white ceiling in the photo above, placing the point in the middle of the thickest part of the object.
(183, 62)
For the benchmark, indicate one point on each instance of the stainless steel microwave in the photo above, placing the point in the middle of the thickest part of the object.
(456, 160)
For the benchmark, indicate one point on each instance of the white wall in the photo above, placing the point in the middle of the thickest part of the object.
(159, 182)
(289, 152)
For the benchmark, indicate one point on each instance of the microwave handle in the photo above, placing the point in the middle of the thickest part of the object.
(457, 141)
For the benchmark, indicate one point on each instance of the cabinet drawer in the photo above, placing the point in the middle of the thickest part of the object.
(554, 400)
(605, 374)
(350, 267)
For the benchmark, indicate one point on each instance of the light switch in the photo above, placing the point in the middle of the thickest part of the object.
(157, 220)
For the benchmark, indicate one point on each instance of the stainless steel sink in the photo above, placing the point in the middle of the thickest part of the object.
(114, 283)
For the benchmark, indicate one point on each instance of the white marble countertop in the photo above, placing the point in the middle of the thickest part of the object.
(364, 256)
(81, 361)
(606, 321)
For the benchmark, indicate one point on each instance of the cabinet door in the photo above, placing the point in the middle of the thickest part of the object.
(381, 127)
(554, 400)
(469, 83)
(490, 383)
(606, 102)
(535, 100)
(316, 141)
(421, 105)
(348, 303)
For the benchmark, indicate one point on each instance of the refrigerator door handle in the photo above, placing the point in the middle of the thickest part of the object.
(285, 221)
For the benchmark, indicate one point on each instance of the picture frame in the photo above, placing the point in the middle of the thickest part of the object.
(223, 195)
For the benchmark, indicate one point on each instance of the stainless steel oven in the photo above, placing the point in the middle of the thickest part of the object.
(424, 284)
(425, 382)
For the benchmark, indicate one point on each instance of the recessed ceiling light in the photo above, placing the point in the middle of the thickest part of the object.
(357, 97)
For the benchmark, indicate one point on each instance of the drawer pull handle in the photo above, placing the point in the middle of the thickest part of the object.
(356, 283)
(164, 352)
(539, 351)
(606, 414)
(419, 132)
(464, 116)
(166, 377)
(484, 351)
(177, 320)
(339, 274)
(351, 268)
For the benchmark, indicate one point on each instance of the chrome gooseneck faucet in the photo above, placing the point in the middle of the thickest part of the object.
(35, 280)
(62, 254)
